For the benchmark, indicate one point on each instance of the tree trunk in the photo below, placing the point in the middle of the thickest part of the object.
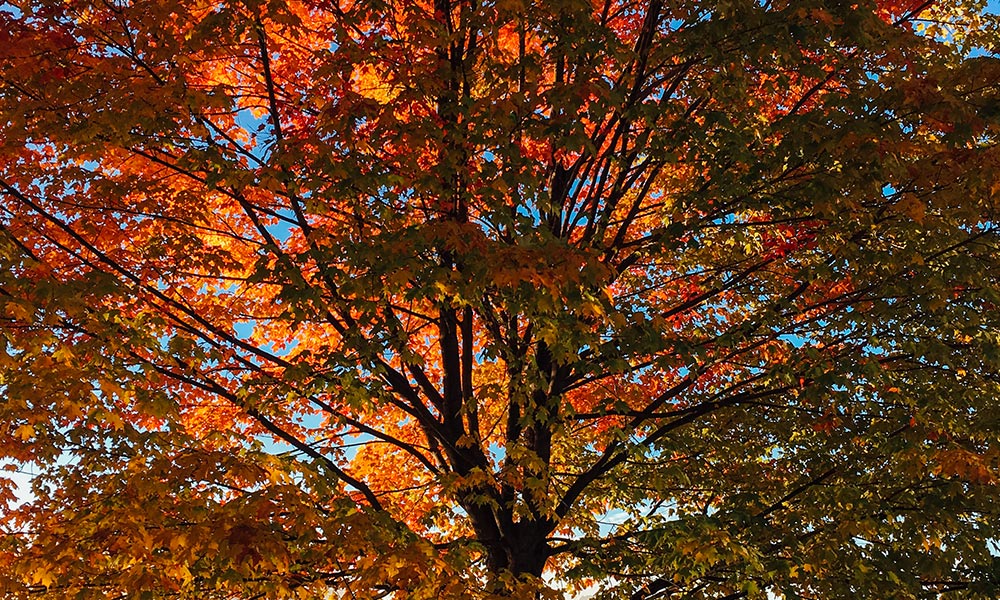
(522, 553)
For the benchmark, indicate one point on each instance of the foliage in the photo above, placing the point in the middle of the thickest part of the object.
(472, 298)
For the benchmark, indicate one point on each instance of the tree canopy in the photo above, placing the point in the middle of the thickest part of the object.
(500, 298)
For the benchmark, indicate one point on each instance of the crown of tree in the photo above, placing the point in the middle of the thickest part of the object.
(470, 299)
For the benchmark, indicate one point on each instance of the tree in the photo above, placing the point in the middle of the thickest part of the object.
(461, 299)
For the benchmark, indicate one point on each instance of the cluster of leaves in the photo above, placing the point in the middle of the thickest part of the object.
(470, 299)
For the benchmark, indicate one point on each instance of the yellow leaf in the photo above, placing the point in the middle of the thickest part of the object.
(177, 542)
(18, 311)
(43, 577)
(25, 432)
(912, 207)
